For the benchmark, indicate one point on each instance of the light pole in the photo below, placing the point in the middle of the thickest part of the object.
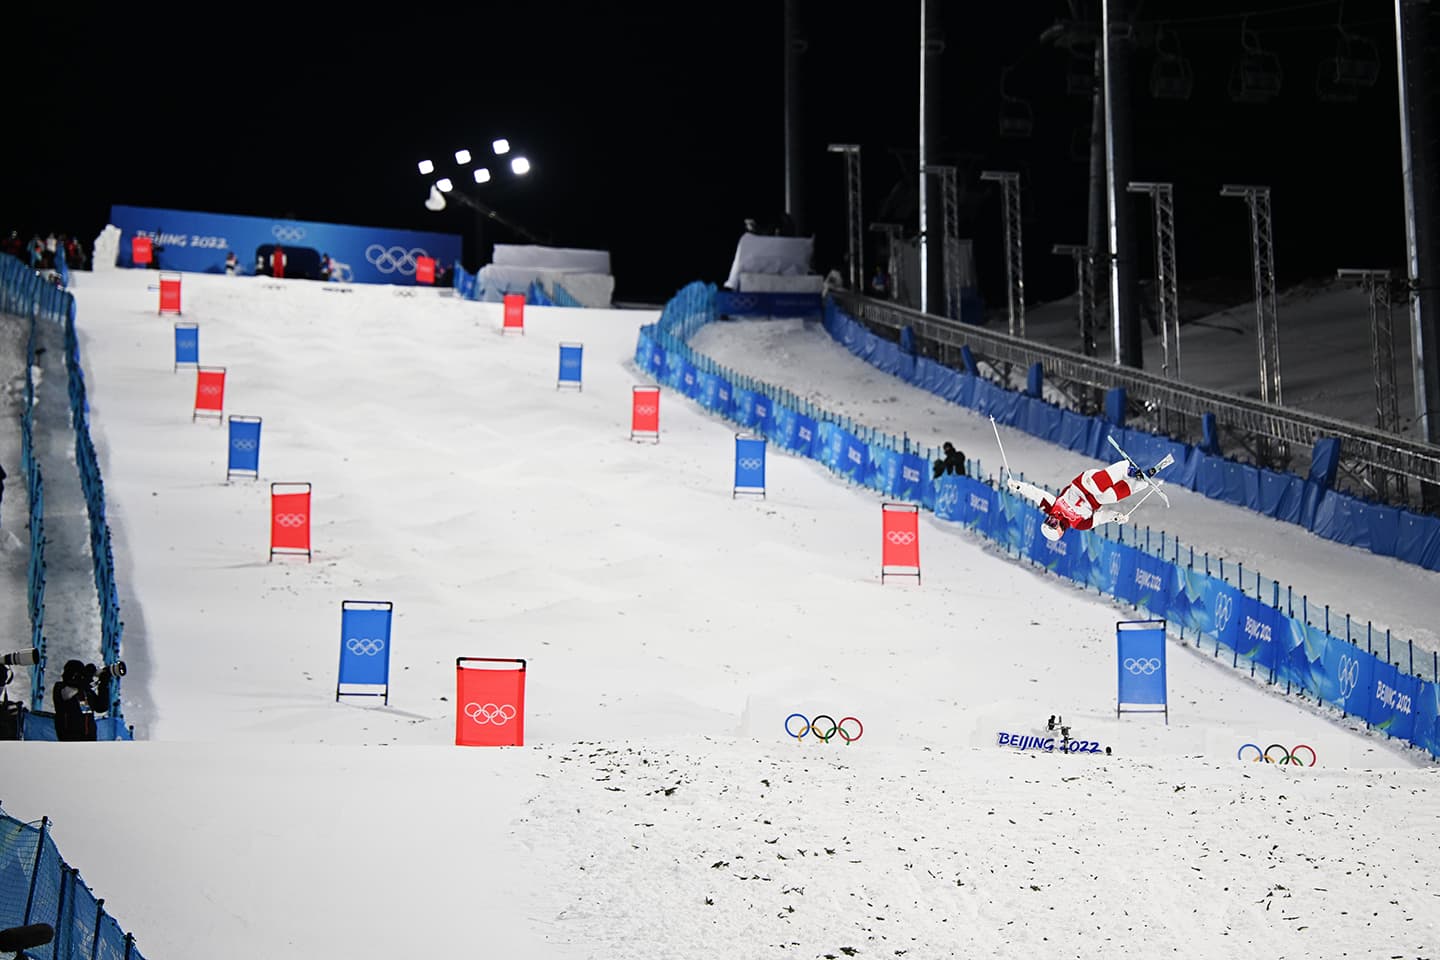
(443, 187)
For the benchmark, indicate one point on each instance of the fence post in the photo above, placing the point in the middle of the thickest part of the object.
(35, 871)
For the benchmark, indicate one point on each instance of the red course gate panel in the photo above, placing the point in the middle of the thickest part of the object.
(900, 540)
(489, 702)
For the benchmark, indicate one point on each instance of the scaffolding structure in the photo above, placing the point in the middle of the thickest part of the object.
(1262, 255)
(1014, 247)
(1378, 286)
(948, 176)
(1167, 294)
(897, 288)
(1084, 259)
(854, 212)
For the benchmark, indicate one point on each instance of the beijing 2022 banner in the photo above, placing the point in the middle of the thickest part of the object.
(199, 242)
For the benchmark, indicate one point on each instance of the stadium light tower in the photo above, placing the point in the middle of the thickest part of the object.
(442, 189)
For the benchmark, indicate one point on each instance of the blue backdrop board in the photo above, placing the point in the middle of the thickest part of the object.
(196, 242)
(365, 649)
(244, 448)
(749, 465)
(187, 344)
(571, 355)
(1141, 667)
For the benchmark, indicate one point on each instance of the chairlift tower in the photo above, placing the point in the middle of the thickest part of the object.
(950, 228)
(1084, 259)
(1167, 296)
(1014, 247)
(854, 232)
(1262, 251)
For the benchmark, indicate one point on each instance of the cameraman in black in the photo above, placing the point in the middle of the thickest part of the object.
(82, 692)
(953, 462)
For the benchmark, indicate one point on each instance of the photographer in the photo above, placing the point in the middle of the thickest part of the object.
(82, 692)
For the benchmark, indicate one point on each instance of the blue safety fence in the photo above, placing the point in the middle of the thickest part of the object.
(25, 293)
(38, 886)
(1309, 501)
(1262, 633)
(467, 287)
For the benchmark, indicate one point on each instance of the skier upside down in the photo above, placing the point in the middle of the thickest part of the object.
(1089, 500)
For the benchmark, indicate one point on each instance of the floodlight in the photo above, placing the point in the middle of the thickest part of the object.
(426, 168)
(520, 166)
(462, 156)
(482, 174)
(444, 185)
(436, 200)
(501, 147)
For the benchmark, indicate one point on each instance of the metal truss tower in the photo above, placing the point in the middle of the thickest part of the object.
(1262, 250)
(1167, 295)
(1084, 259)
(1014, 247)
(1377, 285)
(854, 212)
(950, 228)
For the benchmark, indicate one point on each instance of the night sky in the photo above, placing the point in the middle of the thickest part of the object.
(656, 129)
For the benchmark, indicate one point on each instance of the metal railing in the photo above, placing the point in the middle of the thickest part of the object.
(1365, 446)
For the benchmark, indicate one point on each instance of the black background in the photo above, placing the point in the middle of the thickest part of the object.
(655, 129)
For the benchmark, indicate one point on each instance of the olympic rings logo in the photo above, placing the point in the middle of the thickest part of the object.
(1349, 676)
(483, 713)
(392, 259)
(365, 646)
(948, 498)
(244, 443)
(570, 363)
(645, 410)
(290, 519)
(749, 463)
(209, 389)
(901, 538)
(824, 734)
(1143, 667)
(287, 234)
(1224, 607)
(187, 344)
(1291, 756)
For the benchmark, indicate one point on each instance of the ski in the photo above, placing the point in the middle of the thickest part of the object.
(1154, 484)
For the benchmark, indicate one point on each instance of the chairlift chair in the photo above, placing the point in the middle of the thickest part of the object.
(1257, 76)
(1357, 64)
(1171, 77)
(1017, 119)
(1328, 86)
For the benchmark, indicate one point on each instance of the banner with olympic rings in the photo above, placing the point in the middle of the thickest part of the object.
(209, 393)
(489, 702)
(911, 477)
(169, 293)
(899, 540)
(761, 415)
(289, 518)
(364, 649)
(645, 413)
(514, 313)
(572, 360)
(187, 345)
(749, 465)
(1140, 667)
(244, 447)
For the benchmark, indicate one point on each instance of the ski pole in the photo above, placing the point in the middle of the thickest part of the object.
(1000, 445)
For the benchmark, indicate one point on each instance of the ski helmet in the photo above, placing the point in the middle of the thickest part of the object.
(1053, 528)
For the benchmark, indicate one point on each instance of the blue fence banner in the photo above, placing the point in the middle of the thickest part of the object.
(1140, 652)
(187, 344)
(244, 448)
(749, 465)
(571, 355)
(365, 649)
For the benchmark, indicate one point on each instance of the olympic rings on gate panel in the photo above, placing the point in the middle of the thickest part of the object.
(822, 733)
(1291, 756)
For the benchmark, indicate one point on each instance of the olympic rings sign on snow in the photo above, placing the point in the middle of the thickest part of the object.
(822, 733)
(1146, 666)
(901, 538)
(365, 646)
(1284, 756)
